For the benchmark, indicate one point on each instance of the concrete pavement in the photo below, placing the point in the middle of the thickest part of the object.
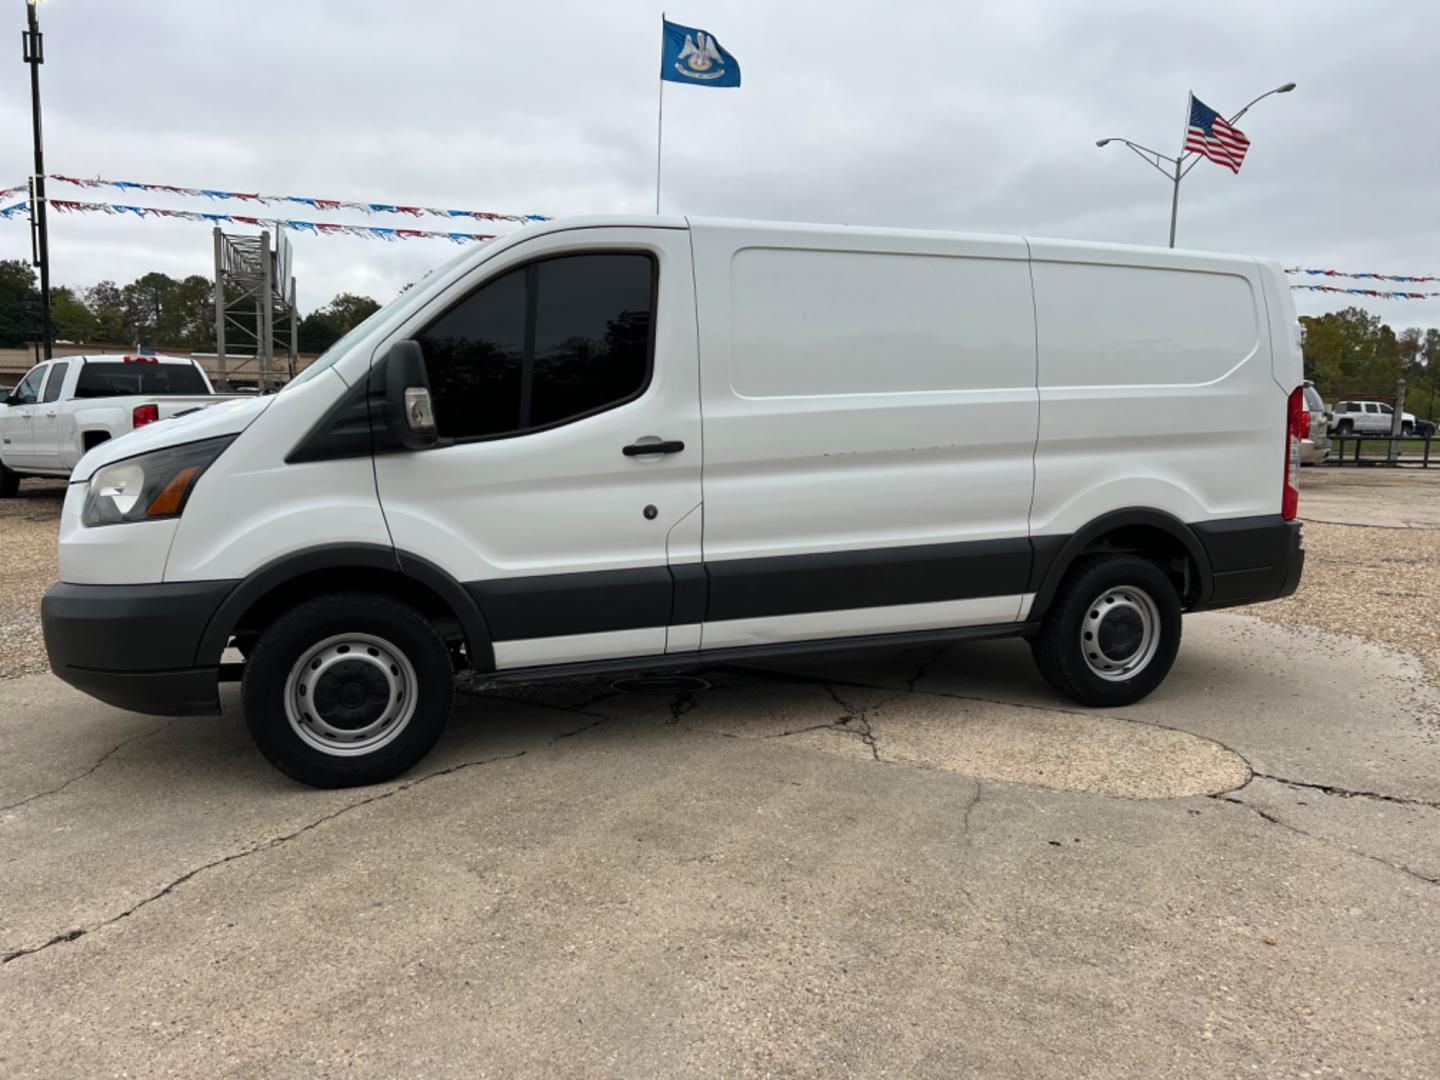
(898, 864)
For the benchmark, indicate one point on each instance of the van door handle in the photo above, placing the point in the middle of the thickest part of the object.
(673, 446)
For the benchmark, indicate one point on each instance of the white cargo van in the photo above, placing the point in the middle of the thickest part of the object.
(626, 443)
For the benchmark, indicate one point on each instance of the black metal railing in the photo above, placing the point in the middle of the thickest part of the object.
(1337, 443)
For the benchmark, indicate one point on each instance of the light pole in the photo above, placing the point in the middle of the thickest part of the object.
(40, 233)
(1176, 168)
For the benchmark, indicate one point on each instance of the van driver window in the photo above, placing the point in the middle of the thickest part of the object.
(543, 344)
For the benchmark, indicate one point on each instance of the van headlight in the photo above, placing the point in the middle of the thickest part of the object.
(150, 486)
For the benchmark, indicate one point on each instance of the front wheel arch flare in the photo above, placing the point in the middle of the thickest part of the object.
(347, 566)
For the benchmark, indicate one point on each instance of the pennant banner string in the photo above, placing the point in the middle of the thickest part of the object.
(317, 228)
(314, 202)
(1324, 272)
(377, 232)
(1382, 294)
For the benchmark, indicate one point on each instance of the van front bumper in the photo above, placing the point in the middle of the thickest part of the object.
(134, 646)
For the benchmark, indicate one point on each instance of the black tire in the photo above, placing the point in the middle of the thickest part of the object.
(1407, 430)
(1345, 427)
(1059, 650)
(352, 690)
(9, 483)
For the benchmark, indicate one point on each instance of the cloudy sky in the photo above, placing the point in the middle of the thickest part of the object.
(980, 118)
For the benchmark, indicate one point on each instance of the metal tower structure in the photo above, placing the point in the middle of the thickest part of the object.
(255, 315)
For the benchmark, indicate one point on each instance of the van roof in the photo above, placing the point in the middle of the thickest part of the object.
(1066, 250)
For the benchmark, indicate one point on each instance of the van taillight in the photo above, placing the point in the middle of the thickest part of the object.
(1295, 426)
(145, 414)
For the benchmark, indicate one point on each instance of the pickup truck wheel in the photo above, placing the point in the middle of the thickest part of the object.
(1112, 631)
(1407, 429)
(1345, 427)
(347, 689)
(9, 483)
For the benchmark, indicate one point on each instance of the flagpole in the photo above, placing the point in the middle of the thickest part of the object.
(1179, 160)
(660, 118)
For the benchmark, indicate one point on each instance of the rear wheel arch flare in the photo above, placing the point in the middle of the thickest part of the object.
(292, 579)
(1155, 534)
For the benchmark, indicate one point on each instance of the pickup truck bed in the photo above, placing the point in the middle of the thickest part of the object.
(65, 406)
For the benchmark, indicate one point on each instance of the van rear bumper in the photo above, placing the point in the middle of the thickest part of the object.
(134, 646)
(1252, 559)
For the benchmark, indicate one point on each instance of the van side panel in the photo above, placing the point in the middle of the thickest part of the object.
(862, 392)
(1155, 387)
(284, 508)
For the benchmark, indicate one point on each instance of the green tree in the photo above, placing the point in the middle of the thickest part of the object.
(19, 304)
(106, 302)
(71, 319)
(1351, 353)
(1423, 395)
(321, 329)
(158, 310)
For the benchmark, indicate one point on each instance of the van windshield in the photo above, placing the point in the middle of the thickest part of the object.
(336, 351)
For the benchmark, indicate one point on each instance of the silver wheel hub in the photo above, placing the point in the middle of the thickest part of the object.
(1120, 633)
(350, 694)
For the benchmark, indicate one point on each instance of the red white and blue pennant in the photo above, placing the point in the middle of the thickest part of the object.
(317, 228)
(312, 201)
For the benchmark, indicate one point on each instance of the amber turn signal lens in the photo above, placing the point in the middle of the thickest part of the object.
(172, 495)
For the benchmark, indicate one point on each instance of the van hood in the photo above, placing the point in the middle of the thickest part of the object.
(227, 418)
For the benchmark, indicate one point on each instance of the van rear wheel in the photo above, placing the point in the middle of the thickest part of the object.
(1112, 631)
(347, 689)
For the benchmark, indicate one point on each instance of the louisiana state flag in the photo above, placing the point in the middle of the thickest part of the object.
(695, 57)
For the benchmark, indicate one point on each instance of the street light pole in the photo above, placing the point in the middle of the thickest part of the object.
(40, 233)
(1178, 168)
(1175, 201)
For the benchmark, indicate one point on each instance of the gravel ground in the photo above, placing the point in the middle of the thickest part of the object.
(1382, 585)
(27, 569)
(1378, 583)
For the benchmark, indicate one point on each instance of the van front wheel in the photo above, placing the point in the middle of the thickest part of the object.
(1112, 631)
(347, 689)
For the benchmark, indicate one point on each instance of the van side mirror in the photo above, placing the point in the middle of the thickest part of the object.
(409, 412)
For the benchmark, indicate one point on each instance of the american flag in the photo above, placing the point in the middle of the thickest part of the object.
(1211, 136)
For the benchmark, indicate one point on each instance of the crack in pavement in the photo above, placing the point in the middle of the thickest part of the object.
(861, 715)
(82, 775)
(1350, 793)
(776, 675)
(1274, 820)
(966, 835)
(1406, 527)
(684, 702)
(277, 841)
(926, 665)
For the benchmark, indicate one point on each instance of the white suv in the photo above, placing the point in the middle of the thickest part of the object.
(1368, 418)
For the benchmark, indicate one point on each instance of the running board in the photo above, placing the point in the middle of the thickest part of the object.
(709, 657)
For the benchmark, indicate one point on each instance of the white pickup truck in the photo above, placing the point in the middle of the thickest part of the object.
(65, 406)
